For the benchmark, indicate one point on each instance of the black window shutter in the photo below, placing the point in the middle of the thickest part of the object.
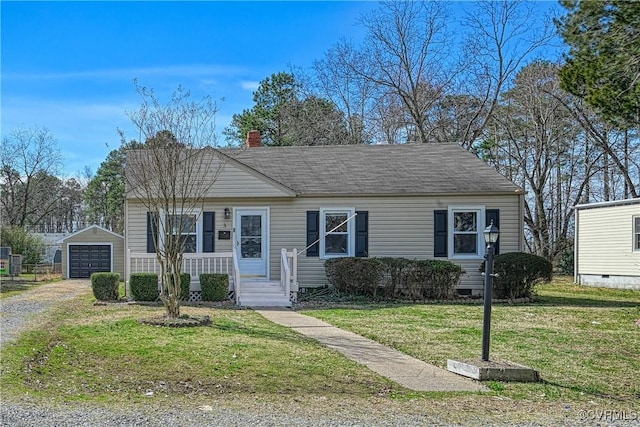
(440, 233)
(362, 233)
(494, 215)
(152, 232)
(313, 233)
(208, 231)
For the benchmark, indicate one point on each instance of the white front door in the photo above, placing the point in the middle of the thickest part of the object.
(251, 239)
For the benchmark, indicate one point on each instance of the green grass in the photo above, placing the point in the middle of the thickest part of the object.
(583, 341)
(102, 353)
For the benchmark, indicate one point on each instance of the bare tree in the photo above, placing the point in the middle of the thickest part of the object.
(538, 146)
(405, 56)
(172, 176)
(351, 93)
(502, 35)
(28, 184)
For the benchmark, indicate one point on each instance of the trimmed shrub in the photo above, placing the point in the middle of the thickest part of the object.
(185, 286)
(431, 279)
(144, 286)
(105, 286)
(394, 277)
(517, 274)
(215, 286)
(442, 279)
(355, 276)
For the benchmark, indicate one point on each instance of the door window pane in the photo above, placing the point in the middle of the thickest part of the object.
(251, 236)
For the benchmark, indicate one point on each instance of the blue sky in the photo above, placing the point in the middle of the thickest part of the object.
(69, 66)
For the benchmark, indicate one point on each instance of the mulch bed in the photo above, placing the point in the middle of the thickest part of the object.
(184, 321)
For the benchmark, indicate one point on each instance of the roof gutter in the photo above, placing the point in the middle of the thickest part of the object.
(607, 204)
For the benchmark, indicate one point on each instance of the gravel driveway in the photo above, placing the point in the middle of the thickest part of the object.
(16, 311)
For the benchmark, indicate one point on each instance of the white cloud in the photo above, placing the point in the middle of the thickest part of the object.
(85, 131)
(128, 73)
(249, 85)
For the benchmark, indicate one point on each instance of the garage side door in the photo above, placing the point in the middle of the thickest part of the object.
(85, 260)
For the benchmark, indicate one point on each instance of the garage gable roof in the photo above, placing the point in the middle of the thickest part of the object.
(87, 229)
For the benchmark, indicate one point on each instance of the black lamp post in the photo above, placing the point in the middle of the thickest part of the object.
(491, 234)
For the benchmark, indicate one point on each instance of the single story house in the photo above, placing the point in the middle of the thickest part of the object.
(91, 250)
(275, 214)
(607, 244)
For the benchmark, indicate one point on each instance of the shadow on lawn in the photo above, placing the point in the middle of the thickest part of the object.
(580, 301)
(257, 332)
(11, 286)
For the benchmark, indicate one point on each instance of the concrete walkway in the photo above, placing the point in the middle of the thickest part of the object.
(405, 370)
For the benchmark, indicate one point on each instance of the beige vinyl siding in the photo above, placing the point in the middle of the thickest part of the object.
(399, 226)
(218, 176)
(605, 241)
(238, 180)
(96, 236)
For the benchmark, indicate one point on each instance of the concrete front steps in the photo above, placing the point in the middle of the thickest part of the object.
(262, 293)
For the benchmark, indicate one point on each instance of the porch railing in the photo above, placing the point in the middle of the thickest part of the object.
(236, 275)
(194, 264)
(216, 262)
(289, 272)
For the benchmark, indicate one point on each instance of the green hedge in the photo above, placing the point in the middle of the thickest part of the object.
(185, 286)
(398, 278)
(215, 287)
(105, 286)
(144, 286)
(355, 276)
(517, 273)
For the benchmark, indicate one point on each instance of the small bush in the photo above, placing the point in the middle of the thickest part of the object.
(105, 286)
(144, 286)
(431, 279)
(394, 277)
(185, 286)
(355, 276)
(442, 279)
(215, 287)
(517, 274)
(566, 263)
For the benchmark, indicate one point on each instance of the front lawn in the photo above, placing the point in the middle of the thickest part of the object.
(583, 341)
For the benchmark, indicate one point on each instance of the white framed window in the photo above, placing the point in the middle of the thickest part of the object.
(188, 227)
(636, 233)
(466, 224)
(337, 232)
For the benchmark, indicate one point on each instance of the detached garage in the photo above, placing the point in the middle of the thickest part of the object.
(92, 250)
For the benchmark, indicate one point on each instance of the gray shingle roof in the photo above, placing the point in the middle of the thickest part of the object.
(376, 169)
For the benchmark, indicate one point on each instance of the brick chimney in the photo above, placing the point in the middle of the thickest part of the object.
(253, 139)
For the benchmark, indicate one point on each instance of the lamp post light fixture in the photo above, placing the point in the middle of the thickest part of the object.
(491, 234)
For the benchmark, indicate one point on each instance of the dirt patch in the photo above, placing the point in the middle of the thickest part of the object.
(184, 321)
